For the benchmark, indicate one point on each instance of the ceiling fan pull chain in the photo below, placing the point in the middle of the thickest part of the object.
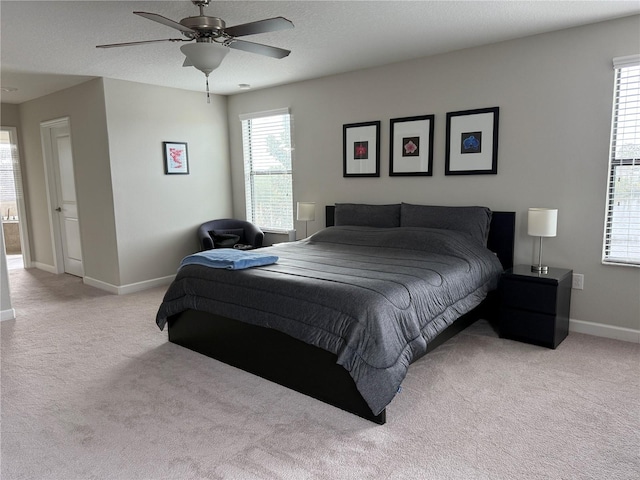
(208, 97)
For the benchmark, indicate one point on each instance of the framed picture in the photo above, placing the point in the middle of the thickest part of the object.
(411, 150)
(472, 142)
(176, 159)
(361, 149)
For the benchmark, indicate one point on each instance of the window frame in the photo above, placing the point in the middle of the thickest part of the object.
(617, 118)
(251, 174)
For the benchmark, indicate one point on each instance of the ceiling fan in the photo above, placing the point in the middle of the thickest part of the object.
(213, 38)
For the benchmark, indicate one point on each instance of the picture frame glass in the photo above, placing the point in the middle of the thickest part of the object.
(361, 149)
(472, 142)
(176, 158)
(411, 151)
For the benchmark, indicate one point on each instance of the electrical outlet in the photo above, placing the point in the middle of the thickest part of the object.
(578, 281)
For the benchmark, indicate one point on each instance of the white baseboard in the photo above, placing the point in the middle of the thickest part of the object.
(45, 267)
(107, 287)
(9, 314)
(145, 285)
(606, 331)
(131, 287)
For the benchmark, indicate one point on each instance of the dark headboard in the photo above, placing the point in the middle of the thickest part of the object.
(502, 232)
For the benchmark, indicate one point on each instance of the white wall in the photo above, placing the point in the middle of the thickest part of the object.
(6, 309)
(136, 222)
(157, 215)
(555, 96)
(84, 105)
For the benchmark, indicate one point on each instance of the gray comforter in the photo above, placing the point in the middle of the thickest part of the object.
(374, 297)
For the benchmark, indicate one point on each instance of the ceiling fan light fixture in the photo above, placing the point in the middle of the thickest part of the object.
(213, 39)
(205, 56)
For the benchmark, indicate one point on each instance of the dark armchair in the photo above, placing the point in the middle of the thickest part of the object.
(247, 232)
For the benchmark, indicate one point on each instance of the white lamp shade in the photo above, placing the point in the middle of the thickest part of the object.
(206, 57)
(542, 222)
(306, 211)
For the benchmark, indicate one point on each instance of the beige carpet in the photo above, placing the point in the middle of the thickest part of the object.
(91, 389)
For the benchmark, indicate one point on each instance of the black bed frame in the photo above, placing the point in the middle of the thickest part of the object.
(302, 367)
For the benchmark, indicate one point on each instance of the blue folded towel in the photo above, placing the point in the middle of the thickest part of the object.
(229, 258)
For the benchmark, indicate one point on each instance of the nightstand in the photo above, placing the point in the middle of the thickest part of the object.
(534, 307)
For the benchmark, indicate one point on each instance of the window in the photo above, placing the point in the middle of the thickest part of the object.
(267, 169)
(8, 169)
(622, 228)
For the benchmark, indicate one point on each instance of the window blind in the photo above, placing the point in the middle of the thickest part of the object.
(268, 169)
(622, 228)
(10, 177)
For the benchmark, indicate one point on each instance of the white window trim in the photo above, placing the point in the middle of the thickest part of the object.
(266, 113)
(262, 114)
(618, 63)
(628, 61)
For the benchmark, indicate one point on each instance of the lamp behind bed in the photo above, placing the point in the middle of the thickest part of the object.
(306, 212)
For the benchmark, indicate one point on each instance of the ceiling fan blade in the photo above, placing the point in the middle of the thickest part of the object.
(261, 26)
(128, 44)
(165, 21)
(258, 48)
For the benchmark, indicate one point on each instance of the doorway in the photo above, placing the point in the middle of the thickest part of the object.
(61, 190)
(13, 212)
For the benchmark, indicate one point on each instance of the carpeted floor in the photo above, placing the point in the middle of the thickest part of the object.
(91, 389)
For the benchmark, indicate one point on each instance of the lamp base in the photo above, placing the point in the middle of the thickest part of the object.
(540, 268)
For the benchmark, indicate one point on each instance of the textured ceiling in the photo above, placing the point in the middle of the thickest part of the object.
(49, 45)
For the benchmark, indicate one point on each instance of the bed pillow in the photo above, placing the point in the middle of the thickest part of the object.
(474, 221)
(358, 214)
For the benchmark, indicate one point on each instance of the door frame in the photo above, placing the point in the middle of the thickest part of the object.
(52, 196)
(23, 221)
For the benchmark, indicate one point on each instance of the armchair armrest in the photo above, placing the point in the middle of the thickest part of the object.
(206, 242)
(253, 235)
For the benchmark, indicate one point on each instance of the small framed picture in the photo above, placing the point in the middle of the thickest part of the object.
(361, 149)
(472, 142)
(411, 151)
(176, 158)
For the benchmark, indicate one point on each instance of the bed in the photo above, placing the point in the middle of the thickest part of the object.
(342, 314)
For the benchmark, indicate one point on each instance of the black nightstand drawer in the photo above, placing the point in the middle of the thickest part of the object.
(534, 307)
(529, 296)
(531, 327)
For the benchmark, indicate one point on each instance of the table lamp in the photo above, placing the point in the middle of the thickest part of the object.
(542, 222)
(306, 213)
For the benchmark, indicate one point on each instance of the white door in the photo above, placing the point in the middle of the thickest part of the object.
(64, 199)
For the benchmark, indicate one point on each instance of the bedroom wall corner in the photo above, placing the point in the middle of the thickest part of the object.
(157, 214)
(84, 105)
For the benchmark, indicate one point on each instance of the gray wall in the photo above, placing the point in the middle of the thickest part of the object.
(84, 105)
(555, 96)
(136, 222)
(6, 309)
(9, 115)
(157, 214)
